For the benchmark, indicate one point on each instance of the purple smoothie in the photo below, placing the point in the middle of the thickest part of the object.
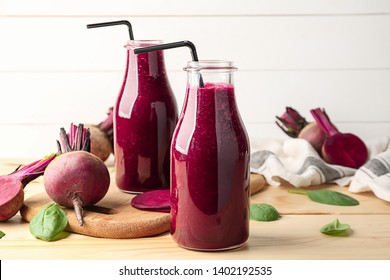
(145, 116)
(210, 172)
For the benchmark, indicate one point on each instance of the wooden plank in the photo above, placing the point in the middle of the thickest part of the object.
(32, 125)
(28, 141)
(37, 140)
(293, 237)
(119, 220)
(64, 97)
(348, 96)
(203, 7)
(296, 235)
(295, 204)
(49, 98)
(265, 43)
(369, 132)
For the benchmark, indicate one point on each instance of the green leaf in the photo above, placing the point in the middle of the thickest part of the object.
(2, 234)
(334, 228)
(328, 197)
(48, 222)
(263, 212)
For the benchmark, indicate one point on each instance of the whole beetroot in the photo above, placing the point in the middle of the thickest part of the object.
(76, 178)
(101, 145)
(296, 126)
(101, 137)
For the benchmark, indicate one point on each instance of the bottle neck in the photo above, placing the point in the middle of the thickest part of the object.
(215, 99)
(208, 72)
(150, 64)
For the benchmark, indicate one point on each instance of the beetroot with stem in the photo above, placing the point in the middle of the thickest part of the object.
(291, 122)
(344, 149)
(76, 178)
(12, 186)
(296, 126)
(102, 137)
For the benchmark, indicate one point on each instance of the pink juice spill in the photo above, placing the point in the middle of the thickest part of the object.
(210, 172)
(145, 116)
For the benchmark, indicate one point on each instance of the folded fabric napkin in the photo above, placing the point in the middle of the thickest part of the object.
(294, 162)
(374, 176)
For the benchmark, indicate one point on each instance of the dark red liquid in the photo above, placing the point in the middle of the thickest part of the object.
(145, 116)
(210, 173)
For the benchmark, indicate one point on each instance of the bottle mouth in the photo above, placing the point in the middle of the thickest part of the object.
(213, 65)
(142, 43)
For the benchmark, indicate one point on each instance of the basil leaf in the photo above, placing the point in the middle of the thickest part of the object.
(48, 222)
(334, 228)
(331, 197)
(2, 234)
(263, 212)
(328, 197)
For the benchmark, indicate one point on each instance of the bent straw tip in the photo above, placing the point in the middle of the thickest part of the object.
(111, 23)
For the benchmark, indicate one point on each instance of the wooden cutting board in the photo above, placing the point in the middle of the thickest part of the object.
(113, 216)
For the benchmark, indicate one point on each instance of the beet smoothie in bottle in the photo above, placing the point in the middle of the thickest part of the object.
(210, 163)
(145, 116)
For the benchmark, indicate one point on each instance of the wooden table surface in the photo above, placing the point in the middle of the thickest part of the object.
(295, 236)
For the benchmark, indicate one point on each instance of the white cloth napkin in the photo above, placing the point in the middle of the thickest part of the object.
(294, 162)
(374, 176)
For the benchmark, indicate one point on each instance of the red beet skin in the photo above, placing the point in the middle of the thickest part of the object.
(11, 197)
(76, 179)
(344, 149)
(79, 174)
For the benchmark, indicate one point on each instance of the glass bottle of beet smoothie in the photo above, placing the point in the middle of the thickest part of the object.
(145, 116)
(210, 163)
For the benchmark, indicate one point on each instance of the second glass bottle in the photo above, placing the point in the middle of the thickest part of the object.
(145, 116)
(210, 163)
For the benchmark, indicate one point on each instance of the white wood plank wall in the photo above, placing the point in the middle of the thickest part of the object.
(333, 54)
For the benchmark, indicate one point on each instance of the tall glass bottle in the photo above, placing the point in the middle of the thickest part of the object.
(145, 116)
(210, 163)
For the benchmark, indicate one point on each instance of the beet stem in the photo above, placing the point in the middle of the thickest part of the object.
(324, 122)
(108, 124)
(291, 122)
(64, 141)
(77, 204)
(33, 170)
(79, 137)
(87, 141)
(287, 131)
(59, 147)
(72, 136)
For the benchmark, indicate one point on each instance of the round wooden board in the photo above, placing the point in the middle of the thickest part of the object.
(113, 216)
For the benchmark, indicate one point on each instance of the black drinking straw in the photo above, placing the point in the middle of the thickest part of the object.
(111, 23)
(173, 45)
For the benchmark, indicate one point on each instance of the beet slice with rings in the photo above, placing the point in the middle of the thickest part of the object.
(157, 200)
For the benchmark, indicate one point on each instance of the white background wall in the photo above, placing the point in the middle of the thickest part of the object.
(333, 54)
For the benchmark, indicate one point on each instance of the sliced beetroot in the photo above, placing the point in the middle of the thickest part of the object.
(157, 200)
(163, 210)
(11, 197)
(344, 149)
(12, 185)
